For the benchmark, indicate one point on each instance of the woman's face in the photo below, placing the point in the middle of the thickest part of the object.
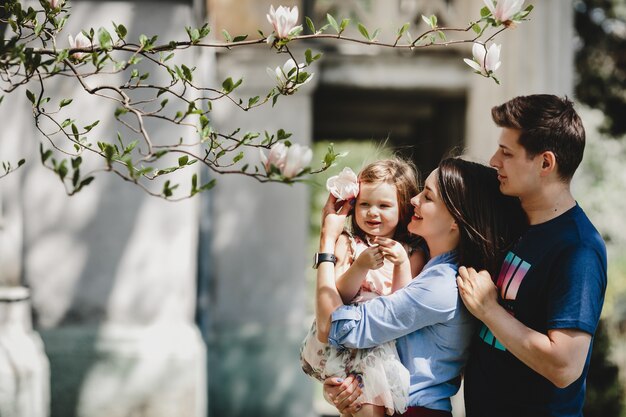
(431, 218)
(376, 211)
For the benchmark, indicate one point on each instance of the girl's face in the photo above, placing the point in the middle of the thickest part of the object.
(431, 218)
(376, 210)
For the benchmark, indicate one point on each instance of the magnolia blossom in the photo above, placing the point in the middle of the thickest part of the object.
(277, 156)
(485, 60)
(284, 20)
(56, 3)
(344, 186)
(286, 77)
(504, 10)
(81, 41)
(298, 158)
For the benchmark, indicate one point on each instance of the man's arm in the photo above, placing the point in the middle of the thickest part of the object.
(558, 356)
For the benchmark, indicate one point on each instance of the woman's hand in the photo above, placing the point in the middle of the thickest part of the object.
(343, 393)
(392, 250)
(333, 219)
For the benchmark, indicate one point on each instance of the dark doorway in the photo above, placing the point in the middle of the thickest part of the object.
(421, 125)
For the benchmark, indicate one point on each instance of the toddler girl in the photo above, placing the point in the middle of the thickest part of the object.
(374, 258)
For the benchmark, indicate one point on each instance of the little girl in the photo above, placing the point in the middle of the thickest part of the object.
(373, 258)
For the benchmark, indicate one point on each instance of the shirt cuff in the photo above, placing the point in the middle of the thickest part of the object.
(342, 322)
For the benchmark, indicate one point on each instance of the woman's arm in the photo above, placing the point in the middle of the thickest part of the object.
(327, 296)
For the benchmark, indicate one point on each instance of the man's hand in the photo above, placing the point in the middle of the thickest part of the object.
(478, 291)
(392, 250)
(370, 258)
(343, 393)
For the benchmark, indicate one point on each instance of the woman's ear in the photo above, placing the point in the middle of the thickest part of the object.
(548, 163)
(454, 226)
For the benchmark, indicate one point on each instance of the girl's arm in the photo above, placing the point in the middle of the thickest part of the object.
(349, 281)
(404, 267)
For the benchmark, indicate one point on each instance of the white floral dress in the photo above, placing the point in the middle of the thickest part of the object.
(385, 379)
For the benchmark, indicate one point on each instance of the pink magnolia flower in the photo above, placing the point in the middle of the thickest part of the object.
(504, 10)
(298, 158)
(344, 186)
(277, 156)
(285, 77)
(56, 3)
(81, 41)
(485, 60)
(284, 20)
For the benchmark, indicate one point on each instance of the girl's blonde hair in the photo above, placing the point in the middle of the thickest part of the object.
(404, 176)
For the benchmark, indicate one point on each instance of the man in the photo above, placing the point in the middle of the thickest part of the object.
(531, 356)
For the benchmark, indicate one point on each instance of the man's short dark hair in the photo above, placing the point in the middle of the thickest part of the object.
(546, 123)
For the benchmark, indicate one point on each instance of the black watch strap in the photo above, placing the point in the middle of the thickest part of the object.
(323, 257)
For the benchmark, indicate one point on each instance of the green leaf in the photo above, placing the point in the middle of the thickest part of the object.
(227, 35)
(76, 162)
(65, 102)
(333, 22)
(228, 85)
(310, 24)
(375, 34)
(308, 56)
(21, 162)
(363, 31)
(31, 96)
(426, 19)
(238, 157)
(252, 101)
(121, 31)
(182, 161)
(484, 12)
(187, 73)
(476, 28)
(344, 24)
(240, 38)
(403, 29)
(62, 169)
(104, 38)
(44, 155)
(75, 132)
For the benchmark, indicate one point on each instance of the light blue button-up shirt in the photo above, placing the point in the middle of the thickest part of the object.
(431, 327)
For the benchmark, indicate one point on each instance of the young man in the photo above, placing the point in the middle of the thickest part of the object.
(532, 353)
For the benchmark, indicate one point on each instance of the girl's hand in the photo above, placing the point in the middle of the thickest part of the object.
(370, 258)
(334, 218)
(392, 250)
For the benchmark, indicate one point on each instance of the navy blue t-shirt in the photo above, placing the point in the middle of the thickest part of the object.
(554, 278)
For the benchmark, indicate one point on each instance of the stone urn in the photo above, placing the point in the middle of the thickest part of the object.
(24, 367)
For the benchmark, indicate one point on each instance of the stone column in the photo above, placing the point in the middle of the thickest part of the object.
(537, 57)
(257, 307)
(112, 270)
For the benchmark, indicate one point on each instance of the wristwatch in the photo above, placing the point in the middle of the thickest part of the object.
(323, 257)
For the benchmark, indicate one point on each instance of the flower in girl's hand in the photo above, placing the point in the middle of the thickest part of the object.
(344, 186)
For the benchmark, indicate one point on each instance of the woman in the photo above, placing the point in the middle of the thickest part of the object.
(464, 219)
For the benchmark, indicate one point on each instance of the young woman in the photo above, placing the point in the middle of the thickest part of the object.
(464, 219)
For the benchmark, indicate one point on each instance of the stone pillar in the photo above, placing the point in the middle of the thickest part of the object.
(112, 270)
(257, 306)
(537, 57)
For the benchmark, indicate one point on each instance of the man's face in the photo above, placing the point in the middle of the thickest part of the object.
(518, 174)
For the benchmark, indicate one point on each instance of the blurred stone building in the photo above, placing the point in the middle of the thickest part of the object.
(148, 308)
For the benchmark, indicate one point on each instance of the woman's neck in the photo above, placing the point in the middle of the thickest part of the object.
(438, 247)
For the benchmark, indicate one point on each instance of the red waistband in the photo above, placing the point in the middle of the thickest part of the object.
(424, 412)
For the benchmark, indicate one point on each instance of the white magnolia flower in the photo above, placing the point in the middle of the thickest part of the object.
(504, 10)
(344, 186)
(284, 20)
(56, 3)
(485, 60)
(286, 77)
(81, 41)
(277, 156)
(298, 158)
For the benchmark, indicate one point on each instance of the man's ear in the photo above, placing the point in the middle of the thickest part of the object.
(548, 163)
